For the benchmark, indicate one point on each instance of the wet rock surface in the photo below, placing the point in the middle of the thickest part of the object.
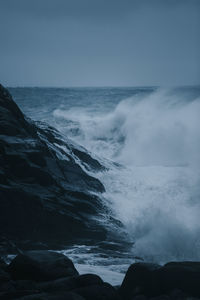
(45, 194)
(174, 280)
(41, 266)
(50, 275)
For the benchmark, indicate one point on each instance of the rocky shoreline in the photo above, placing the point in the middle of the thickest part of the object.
(48, 201)
(45, 275)
(46, 195)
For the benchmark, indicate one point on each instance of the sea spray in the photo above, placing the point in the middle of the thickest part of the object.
(149, 138)
(156, 194)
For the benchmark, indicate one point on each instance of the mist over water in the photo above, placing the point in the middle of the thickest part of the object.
(153, 136)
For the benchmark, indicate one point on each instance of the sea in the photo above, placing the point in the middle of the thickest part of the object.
(149, 140)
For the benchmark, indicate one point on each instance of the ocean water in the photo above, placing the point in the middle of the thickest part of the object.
(149, 138)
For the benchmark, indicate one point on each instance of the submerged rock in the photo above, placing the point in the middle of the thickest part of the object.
(45, 194)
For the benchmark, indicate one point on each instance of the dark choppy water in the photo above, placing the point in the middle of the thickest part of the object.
(154, 135)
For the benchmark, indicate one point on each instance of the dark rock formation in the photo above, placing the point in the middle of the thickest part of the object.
(98, 292)
(45, 194)
(41, 266)
(50, 275)
(54, 296)
(70, 283)
(175, 280)
(139, 279)
(184, 276)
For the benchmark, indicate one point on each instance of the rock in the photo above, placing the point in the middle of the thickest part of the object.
(89, 286)
(177, 294)
(3, 264)
(139, 280)
(29, 245)
(25, 285)
(4, 276)
(41, 266)
(61, 284)
(93, 164)
(8, 285)
(161, 297)
(86, 280)
(45, 194)
(10, 295)
(12, 121)
(156, 281)
(71, 283)
(139, 297)
(54, 296)
(98, 292)
(184, 276)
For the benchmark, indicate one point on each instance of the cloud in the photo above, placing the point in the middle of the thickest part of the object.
(99, 42)
(88, 8)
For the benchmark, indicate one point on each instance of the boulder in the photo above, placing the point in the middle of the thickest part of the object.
(139, 297)
(88, 286)
(54, 296)
(70, 283)
(3, 264)
(139, 279)
(11, 295)
(41, 266)
(165, 297)
(155, 281)
(177, 294)
(21, 285)
(184, 276)
(98, 292)
(4, 276)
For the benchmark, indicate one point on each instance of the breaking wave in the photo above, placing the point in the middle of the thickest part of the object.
(155, 192)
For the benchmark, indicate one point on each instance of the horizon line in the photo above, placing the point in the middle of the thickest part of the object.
(103, 86)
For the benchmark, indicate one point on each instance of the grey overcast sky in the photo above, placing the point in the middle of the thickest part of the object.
(99, 42)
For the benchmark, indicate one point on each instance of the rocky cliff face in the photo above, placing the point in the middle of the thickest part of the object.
(45, 195)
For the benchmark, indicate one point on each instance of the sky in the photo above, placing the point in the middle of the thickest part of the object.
(99, 42)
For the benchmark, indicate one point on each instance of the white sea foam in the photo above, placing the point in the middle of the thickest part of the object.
(157, 194)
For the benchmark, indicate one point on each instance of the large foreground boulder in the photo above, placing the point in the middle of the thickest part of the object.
(41, 266)
(88, 286)
(98, 292)
(153, 280)
(43, 275)
(139, 279)
(25, 295)
(184, 276)
(70, 283)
